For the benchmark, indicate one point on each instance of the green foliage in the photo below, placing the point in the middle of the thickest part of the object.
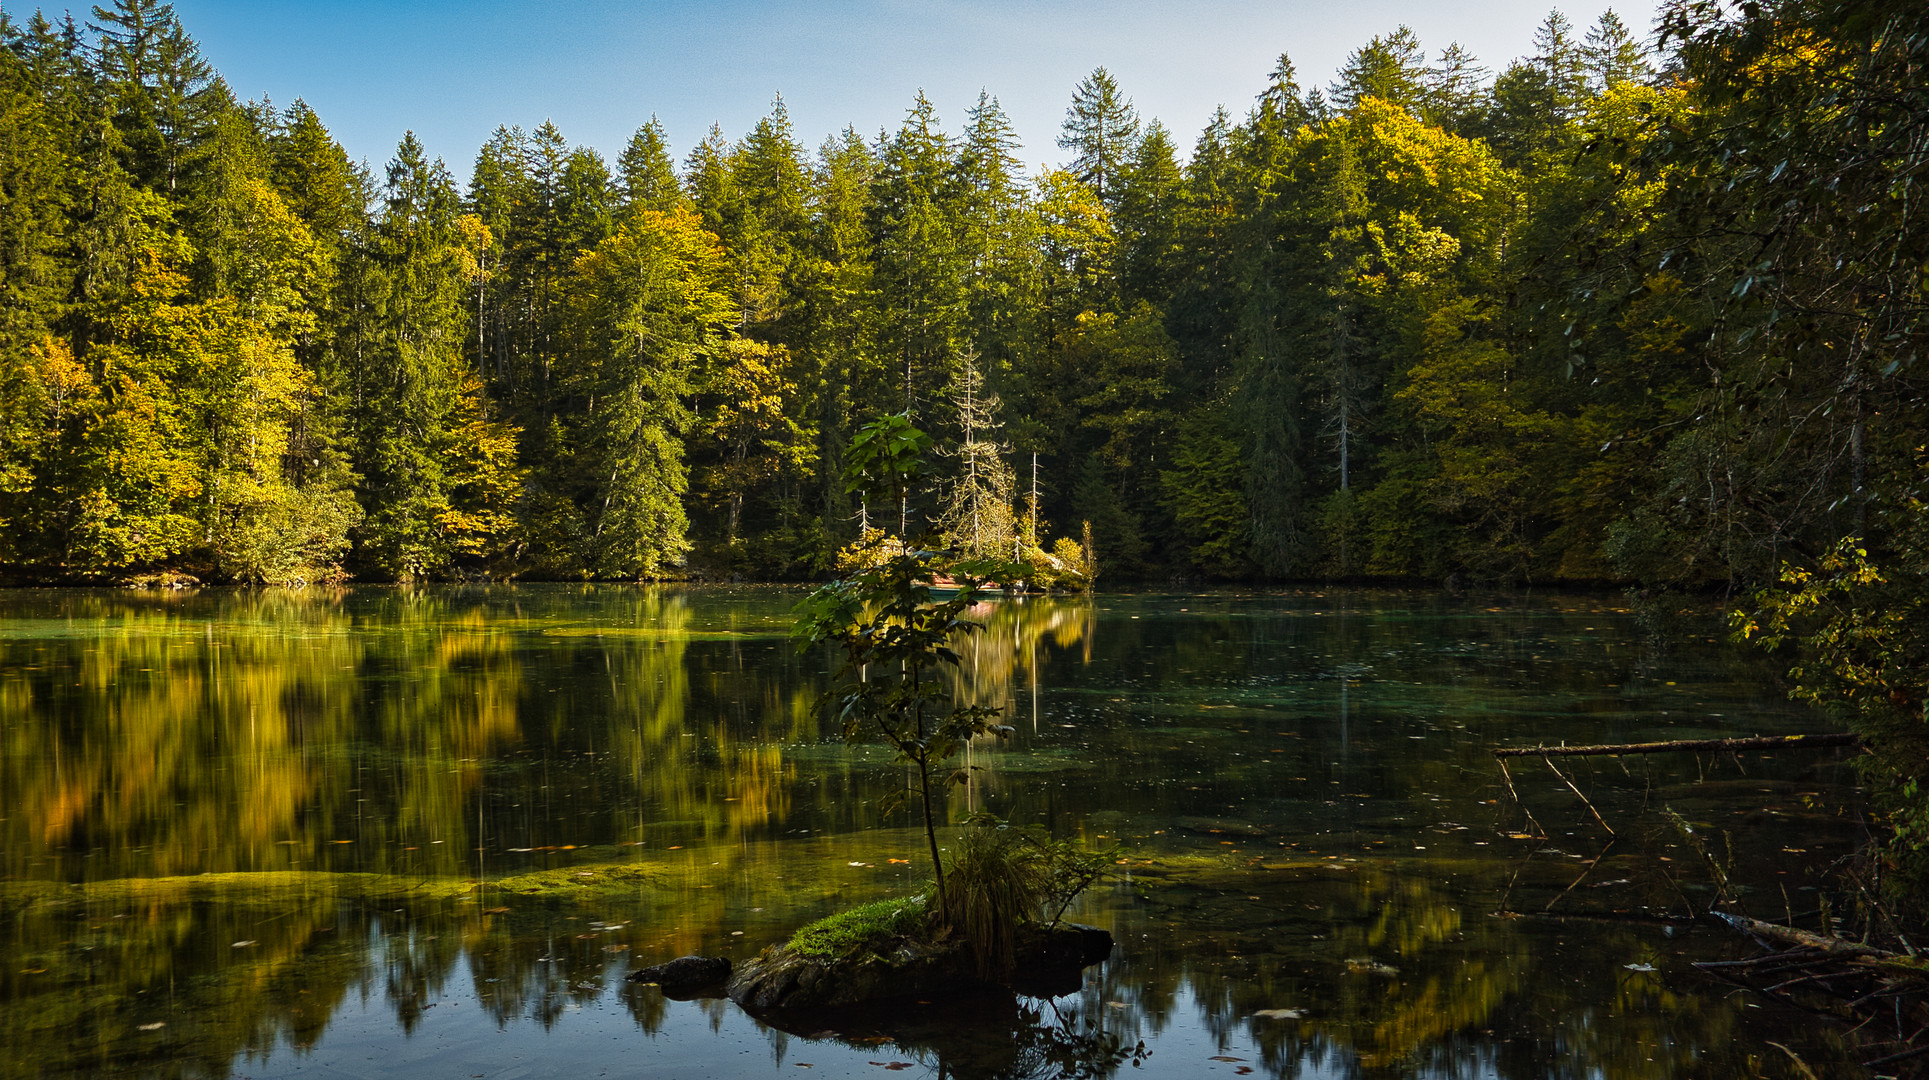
(998, 883)
(866, 928)
(649, 308)
(1004, 878)
(895, 636)
(1202, 493)
(1572, 323)
(1857, 636)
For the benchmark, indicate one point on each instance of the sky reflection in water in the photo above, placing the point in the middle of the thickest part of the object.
(387, 832)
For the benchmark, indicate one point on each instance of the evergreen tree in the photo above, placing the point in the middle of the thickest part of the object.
(997, 238)
(165, 95)
(842, 368)
(771, 222)
(1101, 130)
(1612, 55)
(646, 178)
(918, 279)
(1391, 67)
(1148, 219)
(977, 516)
(1456, 94)
(647, 306)
(407, 378)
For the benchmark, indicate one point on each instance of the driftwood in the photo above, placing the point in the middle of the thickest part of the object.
(1790, 937)
(1780, 742)
(1877, 991)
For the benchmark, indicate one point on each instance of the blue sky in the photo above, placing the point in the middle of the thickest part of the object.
(454, 71)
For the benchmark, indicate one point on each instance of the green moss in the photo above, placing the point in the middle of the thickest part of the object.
(860, 927)
(279, 887)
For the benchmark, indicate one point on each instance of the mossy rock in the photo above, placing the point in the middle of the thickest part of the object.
(904, 968)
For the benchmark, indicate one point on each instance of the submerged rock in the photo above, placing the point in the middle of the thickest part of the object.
(687, 976)
(1211, 826)
(907, 970)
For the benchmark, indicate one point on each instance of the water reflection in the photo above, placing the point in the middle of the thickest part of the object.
(250, 817)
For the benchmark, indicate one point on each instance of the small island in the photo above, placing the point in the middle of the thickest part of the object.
(884, 952)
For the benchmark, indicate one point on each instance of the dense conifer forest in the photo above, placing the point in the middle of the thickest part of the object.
(1638, 308)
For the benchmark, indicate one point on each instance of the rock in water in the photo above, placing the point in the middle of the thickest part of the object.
(687, 976)
(1048, 961)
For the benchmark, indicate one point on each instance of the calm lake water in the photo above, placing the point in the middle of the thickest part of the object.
(387, 833)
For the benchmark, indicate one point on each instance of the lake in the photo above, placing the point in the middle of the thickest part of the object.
(387, 832)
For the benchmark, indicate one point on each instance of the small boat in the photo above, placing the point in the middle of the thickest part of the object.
(946, 585)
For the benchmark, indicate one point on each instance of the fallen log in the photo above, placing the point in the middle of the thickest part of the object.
(1791, 937)
(1775, 742)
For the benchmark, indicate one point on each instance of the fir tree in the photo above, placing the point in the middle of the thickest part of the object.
(1101, 129)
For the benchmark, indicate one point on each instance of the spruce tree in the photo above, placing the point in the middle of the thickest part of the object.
(166, 96)
(644, 173)
(1391, 67)
(1101, 129)
(1612, 55)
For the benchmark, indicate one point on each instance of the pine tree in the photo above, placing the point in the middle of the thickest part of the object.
(407, 377)
(977, 516)
(772, 223)
(834, 322)
(1563, 63)
(1455, 90)
(919, 273)
(1148, 219)
(996, 227)
(499, 187)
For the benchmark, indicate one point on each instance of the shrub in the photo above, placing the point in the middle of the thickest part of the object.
(999, 881)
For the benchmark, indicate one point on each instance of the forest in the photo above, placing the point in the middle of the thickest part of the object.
(1638, 309)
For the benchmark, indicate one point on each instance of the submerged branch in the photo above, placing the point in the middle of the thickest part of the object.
(1776, 742)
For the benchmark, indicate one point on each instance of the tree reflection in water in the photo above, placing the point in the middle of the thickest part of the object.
(241, 816)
